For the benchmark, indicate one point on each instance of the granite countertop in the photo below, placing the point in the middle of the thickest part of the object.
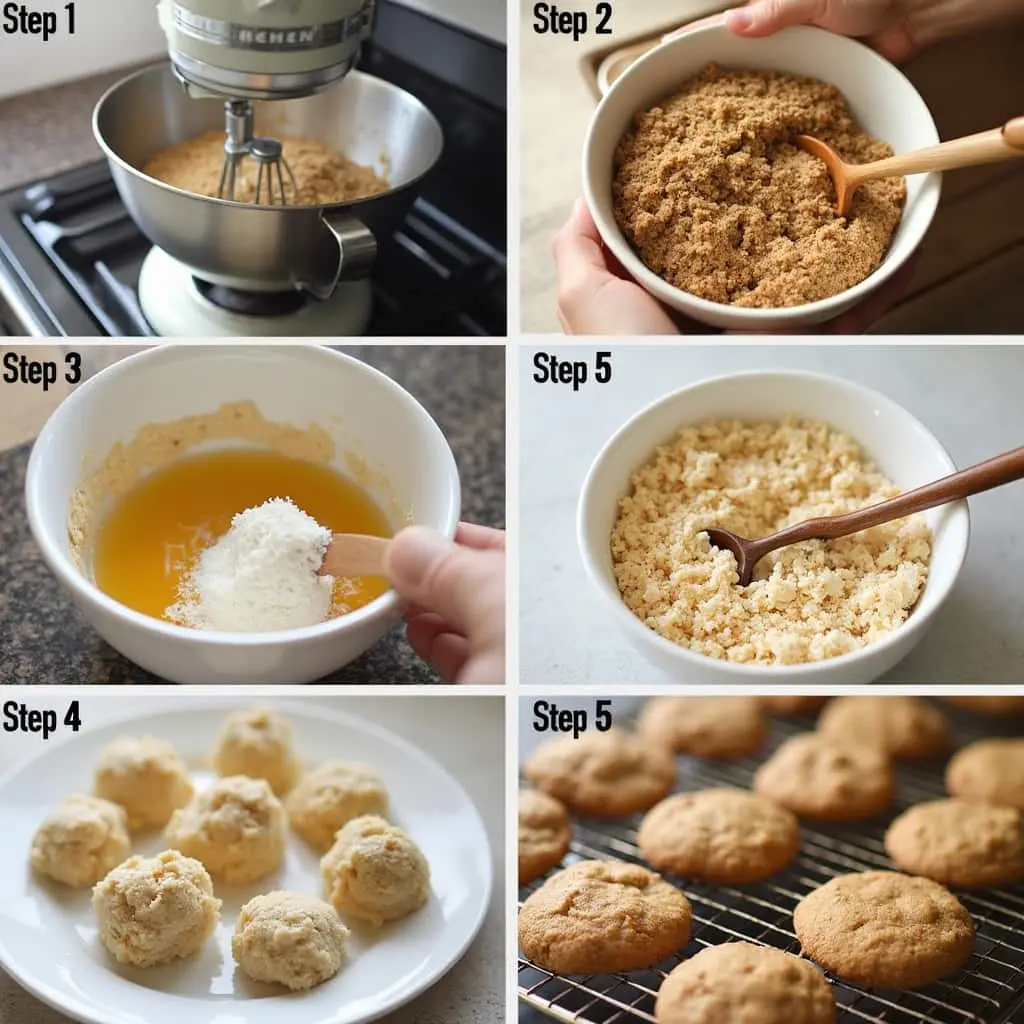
(465, 735)
(47, 641)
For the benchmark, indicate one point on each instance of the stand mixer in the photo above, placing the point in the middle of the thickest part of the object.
(263, 267)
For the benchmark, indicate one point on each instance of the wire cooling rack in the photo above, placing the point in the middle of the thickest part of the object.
(989, 990)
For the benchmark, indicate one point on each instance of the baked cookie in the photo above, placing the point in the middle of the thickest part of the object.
(704, 726)
(602, 774)
(822, 780)
(903, 727)
(959, 843)
(600, 917)
(989, 771)
(995, 706)
(740, 983)
(792, 704)
(719, 835)
(881, 929)
(544, 834)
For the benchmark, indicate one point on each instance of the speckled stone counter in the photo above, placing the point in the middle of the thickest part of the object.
(46, 640)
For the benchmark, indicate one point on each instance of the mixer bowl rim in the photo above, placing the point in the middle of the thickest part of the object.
(355, 204)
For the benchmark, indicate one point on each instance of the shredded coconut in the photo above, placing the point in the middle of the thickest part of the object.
(260, 576)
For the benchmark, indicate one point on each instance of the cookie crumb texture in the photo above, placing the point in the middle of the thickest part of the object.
(810, 601)
(375, 872)
(600, 917)
(80, 840)
(884, 930)
(152, 910)
(716, 199)
(290, 939)
(740, 983)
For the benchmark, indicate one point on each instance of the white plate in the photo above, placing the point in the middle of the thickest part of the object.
(48, 938)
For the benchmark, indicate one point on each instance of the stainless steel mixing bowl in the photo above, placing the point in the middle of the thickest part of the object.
(280, 247)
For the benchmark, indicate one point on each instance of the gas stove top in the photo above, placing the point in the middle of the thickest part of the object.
(70, 255)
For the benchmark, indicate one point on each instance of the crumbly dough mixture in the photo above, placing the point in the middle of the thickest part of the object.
(809, 601)
(236, 828)
(146, 776)
(331, 795)
(375, 872)
(289, 938)
(323, 175)
(152, 910)
(718, 202)
(257, 743)
(159, 444)
(80, 840)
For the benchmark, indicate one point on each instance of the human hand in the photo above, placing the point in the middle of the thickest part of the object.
(897, 29)
(456, 593)
(597, 297)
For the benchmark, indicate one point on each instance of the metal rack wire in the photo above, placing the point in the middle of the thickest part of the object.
(989, 990)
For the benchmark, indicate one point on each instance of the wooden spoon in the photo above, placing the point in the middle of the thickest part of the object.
(1003, 469)
(990, 147)
(353, 554)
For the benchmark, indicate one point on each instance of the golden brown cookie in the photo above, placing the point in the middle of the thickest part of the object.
(903, 727)
(792, 704)
(544, 834)
(959, 843)
(989, 771)
(705, 726)
(602, 774)
(600, 917)
(819, 779)
(994, 706)
(740, 983)
(881, 929)
(719, 835)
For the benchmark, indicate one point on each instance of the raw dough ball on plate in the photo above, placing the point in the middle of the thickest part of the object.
(331, 795)
(152, 910)
(290, 938)
(80, 840)
(236, 828)
(257, 743)
(146, 776)
(375, 872)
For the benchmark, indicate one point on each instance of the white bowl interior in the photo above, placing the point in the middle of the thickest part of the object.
(882, 100)
(898, 443)
(411, 470)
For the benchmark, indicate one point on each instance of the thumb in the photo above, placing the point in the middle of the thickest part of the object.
(465, 587)
(765, 17)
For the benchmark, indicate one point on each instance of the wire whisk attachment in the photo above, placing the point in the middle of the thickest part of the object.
(267, 153)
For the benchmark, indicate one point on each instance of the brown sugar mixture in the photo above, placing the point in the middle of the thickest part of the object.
(717, 201)
(809, 601)
(323, 175)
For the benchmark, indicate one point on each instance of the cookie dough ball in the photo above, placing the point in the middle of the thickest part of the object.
(330, 796)
(236, 828)
(602, 774)
(290, 938)
(152, 910)
(80, 840)
(257, 743)
(375, 872)
(741, 983)
(906, 728)
(146, 776)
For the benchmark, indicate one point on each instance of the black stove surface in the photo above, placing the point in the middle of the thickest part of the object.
(70, 254)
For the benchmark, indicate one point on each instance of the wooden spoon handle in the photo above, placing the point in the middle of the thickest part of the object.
(353, 554)
(994, 472)
(1006, 143)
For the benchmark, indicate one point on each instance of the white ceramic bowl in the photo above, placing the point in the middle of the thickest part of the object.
(899, 444)
(880, 97)
(368, 415)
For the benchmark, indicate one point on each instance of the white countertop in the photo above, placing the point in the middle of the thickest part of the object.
(465, 734)
(969, 397)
